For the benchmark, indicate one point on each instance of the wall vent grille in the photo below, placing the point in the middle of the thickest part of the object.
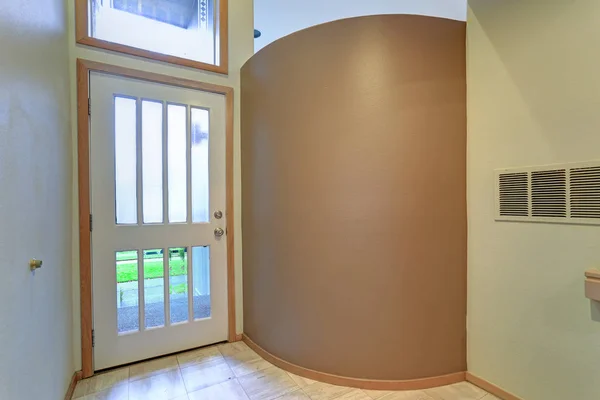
(549, 193)
(562, 193)
(585, 193)
(513, 192)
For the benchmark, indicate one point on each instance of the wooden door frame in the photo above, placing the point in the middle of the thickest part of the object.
(84, 67)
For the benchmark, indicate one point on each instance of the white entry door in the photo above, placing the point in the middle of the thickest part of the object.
(157, 159)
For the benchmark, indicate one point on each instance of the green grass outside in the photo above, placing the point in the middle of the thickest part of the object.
(132, 254)
(178, 289)
(153, 266)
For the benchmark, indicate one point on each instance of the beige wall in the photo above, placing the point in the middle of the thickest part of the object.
(36, 354)
(240, 49)
(533, 98)
(354, 213)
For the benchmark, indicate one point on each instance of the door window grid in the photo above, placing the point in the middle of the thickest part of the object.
(171, 158)
(157, 288)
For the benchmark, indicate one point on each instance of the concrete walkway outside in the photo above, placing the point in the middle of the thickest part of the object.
(127, 292)
(128, 317)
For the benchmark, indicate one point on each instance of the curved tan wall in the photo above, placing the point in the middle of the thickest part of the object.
(354, 211)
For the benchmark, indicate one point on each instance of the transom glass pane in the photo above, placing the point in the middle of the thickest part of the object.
(180, 28)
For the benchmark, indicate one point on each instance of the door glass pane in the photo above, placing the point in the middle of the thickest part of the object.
(128, 314)
(152, 161)
(125, 161)
(177, 162)
(200, 191)
(183, 29)
(201, 278)
(178, 284)
(154, 288)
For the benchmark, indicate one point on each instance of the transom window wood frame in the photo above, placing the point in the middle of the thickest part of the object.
(82, 36)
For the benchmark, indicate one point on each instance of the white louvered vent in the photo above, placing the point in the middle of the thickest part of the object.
(513, 192)
(562, 193)
(549, 193)
(585, 192)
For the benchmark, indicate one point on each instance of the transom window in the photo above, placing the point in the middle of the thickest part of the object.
(185, 32)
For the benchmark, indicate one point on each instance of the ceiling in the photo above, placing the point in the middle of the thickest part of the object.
(278, 18)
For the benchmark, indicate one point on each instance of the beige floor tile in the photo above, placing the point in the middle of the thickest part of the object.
(199, 356)
(295, 395)
(233, 371)
(246, 362)
(325, 391)
(206, 374)
(490, 397)
(376, 394)
(408, 395)
(267, 384)
(101, 381)
(355, 394)
(301, 381)
(228, 349)
(457, 391)
(230, 390)
(119, 392)
(80, 389)
(151, 368)
(166, 386)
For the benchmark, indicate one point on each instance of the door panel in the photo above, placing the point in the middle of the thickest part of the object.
(157, 160)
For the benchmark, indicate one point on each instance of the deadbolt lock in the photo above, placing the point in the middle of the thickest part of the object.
(218, 214)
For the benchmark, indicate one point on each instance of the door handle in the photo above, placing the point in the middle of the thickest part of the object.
(219, 232)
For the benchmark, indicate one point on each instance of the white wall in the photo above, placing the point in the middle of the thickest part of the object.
(278, 18)
(533, 98)
(240, 49)
(36, 353)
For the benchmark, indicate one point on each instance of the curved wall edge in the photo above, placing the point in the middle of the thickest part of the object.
(277, 19)
(300, 30)
(367, 384)
(353, 152)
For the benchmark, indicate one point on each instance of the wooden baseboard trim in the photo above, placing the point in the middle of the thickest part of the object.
(239, 337)
(368, 384)
(490, 387)
(74, 379)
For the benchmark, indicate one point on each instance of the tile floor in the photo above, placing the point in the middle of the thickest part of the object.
(233, 371)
